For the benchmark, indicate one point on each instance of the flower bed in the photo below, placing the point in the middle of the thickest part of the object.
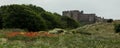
(28, 35)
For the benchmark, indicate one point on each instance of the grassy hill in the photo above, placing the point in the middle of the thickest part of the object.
(101, 29)
(98, 35)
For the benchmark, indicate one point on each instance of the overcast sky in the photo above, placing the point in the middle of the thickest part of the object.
(102, 8)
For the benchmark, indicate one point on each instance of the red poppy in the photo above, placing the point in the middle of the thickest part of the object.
(31, 34)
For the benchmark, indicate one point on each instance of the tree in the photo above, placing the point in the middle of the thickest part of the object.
(69, 22)
(33, 18)
(17, 16)
(0, 20)
(51, 20)
(35, 8)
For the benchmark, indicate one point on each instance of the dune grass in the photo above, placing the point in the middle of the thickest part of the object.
(65, 41)
(102, 35)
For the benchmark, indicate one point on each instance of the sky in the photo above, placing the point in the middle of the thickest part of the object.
(102, 8)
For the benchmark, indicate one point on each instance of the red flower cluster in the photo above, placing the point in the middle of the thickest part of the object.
(30, 34)
(12, 34)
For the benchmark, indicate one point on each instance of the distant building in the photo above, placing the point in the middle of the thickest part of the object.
(82, 17)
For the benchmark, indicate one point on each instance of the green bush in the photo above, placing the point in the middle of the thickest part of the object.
(33, 18)
(16, 16)
(117, 28)
(110, 20)
(69, 22)
(0, 20)
(0, 23)
(51, 20)
(36, 9)
(12, 30)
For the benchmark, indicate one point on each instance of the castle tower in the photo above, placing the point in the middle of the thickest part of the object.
(82, 17)
(73, 14)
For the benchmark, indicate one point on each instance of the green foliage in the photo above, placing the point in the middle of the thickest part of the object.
(110, 20)
(23, 38)
(35, 8)
(0, 23)
(16, 16)
(0, 20)
(33, 18)
(103, 38)
(67, 41)
(12, 30)
(69, 22)
(117, 27)
(51, 20)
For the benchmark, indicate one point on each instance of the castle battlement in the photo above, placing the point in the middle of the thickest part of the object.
(82, 17)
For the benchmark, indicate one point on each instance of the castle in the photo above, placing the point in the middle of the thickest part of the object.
(82, 17)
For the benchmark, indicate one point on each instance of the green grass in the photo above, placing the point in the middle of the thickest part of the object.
(102, 36)
(65, 41)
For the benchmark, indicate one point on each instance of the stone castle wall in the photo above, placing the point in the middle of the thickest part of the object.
(82, 17)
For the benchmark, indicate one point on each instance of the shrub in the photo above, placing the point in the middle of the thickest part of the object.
(69, 22)
(51, 20)
(24, 38)
(35, 8)
(110, 20)
(0, 20)
(117, 28)
(16, 16)
(33, 18)
(0, 23)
